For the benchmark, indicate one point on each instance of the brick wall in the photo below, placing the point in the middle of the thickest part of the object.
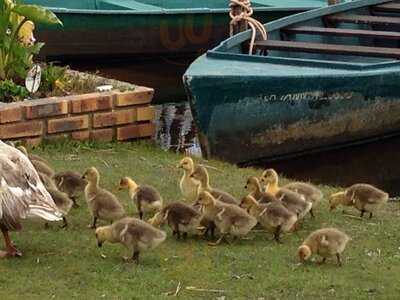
(97, 116)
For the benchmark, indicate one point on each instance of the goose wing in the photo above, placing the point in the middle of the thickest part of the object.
(22, 194)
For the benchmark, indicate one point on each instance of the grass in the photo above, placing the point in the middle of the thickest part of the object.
(64, 264)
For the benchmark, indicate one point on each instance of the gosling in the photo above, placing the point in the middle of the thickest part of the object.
(254, 187)
(136, 235)
(189, 187)
(326, 242)
(294, 202)
(41, 165)
(32, 156)
(180, 217)
(228, 218)
(273, 216)
(146, 198)
(201, 175)
(364, 197)
(310, 192)
(101, 203)
(62, 201)
(71, 183)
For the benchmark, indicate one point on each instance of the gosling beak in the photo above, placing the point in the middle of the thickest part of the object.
(179, 166)
(245, 186)
(99, 244)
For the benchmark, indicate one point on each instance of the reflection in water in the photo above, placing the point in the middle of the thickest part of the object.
(375, 163)
(175, 129)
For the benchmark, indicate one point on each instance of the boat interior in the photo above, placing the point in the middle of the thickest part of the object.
(154, 5)
(347, 34)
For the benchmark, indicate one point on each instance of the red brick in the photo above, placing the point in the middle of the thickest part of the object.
(22, 129)
(103, 135)
(44, 108)
(91, 102)
(114, 118)
(145, 113)
(10, 112)
(140, 95)
(80, 135)
(135, 131)
(67, 124)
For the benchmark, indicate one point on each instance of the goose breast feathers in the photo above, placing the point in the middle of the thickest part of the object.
(22, 194)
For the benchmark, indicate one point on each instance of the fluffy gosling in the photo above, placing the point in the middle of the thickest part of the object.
(40, 165)
(294, 202)
(364, 197)
(228, 218)
(146, 197)
(101, 203)
(136, 235)
(62, 201)
(274, 217)
(326, 242)
(189, 187)
(32, 156)
(254, 187)
(71, 183)
(310, 192)
(201, 175)
(180, 217)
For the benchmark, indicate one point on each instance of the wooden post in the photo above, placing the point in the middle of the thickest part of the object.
(237, 10)
(333, 2)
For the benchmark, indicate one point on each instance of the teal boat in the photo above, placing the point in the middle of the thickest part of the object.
(123, 28)
(323, 79)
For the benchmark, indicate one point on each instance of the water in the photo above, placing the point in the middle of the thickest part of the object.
(376, 163)
(175, 129)
(162, 74)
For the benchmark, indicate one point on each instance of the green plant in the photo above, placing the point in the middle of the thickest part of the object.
(10, 91)
(53, 78)
(16, 27)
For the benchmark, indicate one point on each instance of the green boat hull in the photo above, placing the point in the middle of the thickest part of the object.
(259, 108)
(132, 28)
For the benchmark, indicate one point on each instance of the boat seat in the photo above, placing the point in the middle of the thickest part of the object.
(329, 31)
(328, 48)
(363, 19)
(125, 5)
(390, 7)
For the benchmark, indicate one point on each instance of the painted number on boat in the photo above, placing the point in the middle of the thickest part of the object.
(184, 32)
(313, 96)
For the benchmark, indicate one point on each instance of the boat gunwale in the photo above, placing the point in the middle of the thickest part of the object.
(221, 51)
(162, 11)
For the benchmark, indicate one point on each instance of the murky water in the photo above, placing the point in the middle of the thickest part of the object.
(175, 129)
(376, 163)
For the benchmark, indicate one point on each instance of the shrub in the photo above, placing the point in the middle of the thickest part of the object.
(17, 45)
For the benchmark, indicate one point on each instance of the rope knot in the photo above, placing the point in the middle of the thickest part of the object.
(245, 15)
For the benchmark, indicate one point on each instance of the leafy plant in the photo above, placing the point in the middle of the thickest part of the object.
(16, 27)
(53, 78)
(11, 92)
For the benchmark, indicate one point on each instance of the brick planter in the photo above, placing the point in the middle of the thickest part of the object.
(97, 116)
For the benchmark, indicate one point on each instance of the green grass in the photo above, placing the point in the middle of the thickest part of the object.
(63, 264)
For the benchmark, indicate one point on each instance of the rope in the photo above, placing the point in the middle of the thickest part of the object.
(245, 15)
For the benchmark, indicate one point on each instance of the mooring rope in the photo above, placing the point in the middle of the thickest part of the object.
(245, 15)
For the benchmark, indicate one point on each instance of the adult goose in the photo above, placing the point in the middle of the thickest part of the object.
(22, 195)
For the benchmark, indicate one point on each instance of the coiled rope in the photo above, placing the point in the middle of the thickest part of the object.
(245, 15)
